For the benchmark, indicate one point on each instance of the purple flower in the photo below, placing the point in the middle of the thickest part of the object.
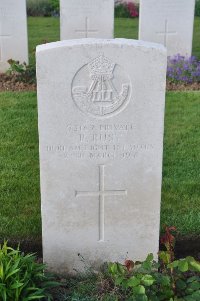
(183, 69)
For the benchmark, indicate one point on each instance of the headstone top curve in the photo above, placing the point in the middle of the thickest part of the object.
(86, 42)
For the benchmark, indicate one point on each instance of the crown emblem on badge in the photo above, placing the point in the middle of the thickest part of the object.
(101, 66)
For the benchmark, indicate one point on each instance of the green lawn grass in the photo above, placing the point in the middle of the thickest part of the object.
(181, 171)
(19, 165)
(42, 30)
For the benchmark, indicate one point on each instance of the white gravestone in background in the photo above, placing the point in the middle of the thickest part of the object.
(13, 32)
(127, 1)
(101, 111)
(169, 22)
(86, 19)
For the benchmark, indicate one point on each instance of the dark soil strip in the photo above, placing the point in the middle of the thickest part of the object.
(187, 247)
(12, 83)
(183, 87)
(26, 245)
(184, 247)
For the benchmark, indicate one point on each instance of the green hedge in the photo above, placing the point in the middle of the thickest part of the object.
(44, 8)
(121, 11)
(197, 8)
(51, 7)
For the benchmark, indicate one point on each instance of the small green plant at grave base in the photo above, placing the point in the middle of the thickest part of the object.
(22, 278)
(166, 280)
(25, 73)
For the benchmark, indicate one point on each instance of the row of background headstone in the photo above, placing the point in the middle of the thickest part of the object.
(169, 22)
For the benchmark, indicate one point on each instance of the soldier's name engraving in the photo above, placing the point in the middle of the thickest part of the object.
(98, 137)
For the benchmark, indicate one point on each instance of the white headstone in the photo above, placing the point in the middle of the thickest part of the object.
(101, 110)
(13, 32)
(169, 22)
(86, 19)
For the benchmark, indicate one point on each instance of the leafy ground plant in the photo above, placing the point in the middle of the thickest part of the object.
(22, 278)
(183, 69)
(166, 280)
(25, 73)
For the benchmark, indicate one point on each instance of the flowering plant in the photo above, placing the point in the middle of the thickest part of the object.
(183, 69)
(126, 10)
(133, 10)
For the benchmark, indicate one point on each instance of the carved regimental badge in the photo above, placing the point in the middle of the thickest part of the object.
(101, 88)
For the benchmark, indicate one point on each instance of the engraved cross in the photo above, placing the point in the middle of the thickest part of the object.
(86, 31)
(101, 194)
(166, 33)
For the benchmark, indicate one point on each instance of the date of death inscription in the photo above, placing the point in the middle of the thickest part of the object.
(93, 142)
